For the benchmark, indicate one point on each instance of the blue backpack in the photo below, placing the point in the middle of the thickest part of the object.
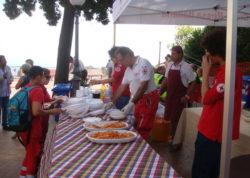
(18, 116)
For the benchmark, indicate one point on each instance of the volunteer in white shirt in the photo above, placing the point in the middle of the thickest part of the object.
(178, 75)
(139, 75)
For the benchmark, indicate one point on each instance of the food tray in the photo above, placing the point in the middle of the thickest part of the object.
(91, 119)
(88, 127)
(109, 141)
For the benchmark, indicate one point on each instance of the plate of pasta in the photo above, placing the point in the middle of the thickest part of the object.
(112, 136)
(105, 125)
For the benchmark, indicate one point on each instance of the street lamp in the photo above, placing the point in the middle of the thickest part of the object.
(76, 71)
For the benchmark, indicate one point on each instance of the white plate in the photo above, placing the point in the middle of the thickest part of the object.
(125, 140)
(117, 114)
(88, 127)
(92, 119)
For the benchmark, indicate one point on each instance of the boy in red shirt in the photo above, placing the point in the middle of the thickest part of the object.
(208, 143)
(33, 137)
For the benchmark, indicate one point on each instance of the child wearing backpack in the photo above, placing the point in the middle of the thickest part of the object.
(32, 137)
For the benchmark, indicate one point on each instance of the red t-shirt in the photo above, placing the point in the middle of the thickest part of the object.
(211, 120)
(36, 95)
(118, 74)
(47, 97)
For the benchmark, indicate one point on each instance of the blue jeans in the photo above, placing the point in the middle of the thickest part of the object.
(206, 158)
(122, 101)
(4, 104)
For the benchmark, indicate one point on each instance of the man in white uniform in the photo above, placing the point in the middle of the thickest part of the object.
(139, 75)
(177, 77)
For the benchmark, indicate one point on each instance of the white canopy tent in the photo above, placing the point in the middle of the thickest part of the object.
(178, 12)
(230, 13)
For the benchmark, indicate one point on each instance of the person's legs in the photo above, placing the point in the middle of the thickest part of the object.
(4, 105)
(33, 151)
(32, 155)
(122, 101)
(206, 162)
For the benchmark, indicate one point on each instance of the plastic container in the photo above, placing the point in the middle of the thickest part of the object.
(102, 92)
(107, 94)
(161, 129)
(61, 89)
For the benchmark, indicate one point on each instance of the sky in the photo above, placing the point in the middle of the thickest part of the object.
(31, 37)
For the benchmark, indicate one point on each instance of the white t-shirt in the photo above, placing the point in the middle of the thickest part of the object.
(141, 71)
(187, 74)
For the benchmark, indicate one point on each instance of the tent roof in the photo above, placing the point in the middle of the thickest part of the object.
(178, 12)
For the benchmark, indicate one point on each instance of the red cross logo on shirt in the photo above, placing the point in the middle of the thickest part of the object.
(144, 70)
(220, 88)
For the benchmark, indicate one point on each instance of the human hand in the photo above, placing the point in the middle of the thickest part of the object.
(108, 106)
(128, 108)
(56, 111)
(5, 75)
(206, 64)
(93, 82)
(10, 82)
(58, 100)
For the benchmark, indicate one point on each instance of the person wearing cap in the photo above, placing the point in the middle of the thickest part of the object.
(208, 143)
(177, 77)
(139, 75)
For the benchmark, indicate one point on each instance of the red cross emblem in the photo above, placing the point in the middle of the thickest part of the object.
(144, 70)
(220, 88)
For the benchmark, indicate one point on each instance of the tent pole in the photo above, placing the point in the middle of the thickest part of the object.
(159, 60)
(229, 88)
(114, 35)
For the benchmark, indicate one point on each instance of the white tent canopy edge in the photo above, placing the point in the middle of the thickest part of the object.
(178, 12)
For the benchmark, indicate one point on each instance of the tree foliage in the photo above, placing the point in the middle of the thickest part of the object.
(183, 34)
(191, 43)
(93, 9)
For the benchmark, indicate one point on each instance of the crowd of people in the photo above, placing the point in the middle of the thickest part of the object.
(137, 88)
(33, 138)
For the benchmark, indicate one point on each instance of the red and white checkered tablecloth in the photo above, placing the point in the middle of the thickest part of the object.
(69, 153)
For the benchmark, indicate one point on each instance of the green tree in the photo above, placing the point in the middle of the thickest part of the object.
(243, 44)
(193, 52)
(183, 34)
(92, 9)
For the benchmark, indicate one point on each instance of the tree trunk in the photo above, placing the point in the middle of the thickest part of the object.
(64, 48)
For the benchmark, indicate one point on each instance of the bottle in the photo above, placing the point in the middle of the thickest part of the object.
(102, 92)
(107, 94)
